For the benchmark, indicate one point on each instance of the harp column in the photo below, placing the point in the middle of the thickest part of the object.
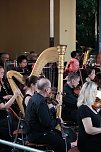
(61, 50)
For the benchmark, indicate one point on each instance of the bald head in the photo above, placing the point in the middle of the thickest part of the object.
(43, 83)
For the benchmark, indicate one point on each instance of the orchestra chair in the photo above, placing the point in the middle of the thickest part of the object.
(20, 135)
(45, 147)
(17, 135)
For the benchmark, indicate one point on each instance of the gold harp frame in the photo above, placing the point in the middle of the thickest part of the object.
(14, 87)
(53, 54)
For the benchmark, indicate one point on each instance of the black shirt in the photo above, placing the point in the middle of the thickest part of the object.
(69, 108)
(38, 117)
(87, 142)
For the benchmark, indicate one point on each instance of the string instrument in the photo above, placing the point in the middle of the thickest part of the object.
(77, 90)
(52, 96)
(97, 103)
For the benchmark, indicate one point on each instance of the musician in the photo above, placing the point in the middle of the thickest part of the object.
(97, 80)
(22, 65)
(89, 121)
(90, 73)
(30, 90)
(73, 65)
(4, 130)
(69, 108)
(41, 126)
(98, 60)
(4, 57)
(75, 54)
(5, 90)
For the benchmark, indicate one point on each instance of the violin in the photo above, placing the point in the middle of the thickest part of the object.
(52, 96)
(97, 103)
(77, 90)
(51, 101)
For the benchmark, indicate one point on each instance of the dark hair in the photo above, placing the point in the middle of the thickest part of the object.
(72, 75)
(73, 54)
(21, 58)
(89, 69)
(97, 79)
(31, 52)
(31, 80)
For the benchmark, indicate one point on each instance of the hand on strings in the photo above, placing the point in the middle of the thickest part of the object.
(7, 97)
(17, 92)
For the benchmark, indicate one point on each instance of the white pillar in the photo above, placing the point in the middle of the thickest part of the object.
(68, 25)
(51, 22)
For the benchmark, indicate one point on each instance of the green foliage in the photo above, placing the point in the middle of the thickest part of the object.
(85, 28)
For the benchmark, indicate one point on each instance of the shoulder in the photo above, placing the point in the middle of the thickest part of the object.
(67, 87)
(84, 111)
(27, 95)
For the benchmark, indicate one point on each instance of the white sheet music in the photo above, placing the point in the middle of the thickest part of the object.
(98, 94)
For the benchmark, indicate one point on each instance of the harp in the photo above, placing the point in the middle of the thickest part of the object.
(13, 86)
(53, 54)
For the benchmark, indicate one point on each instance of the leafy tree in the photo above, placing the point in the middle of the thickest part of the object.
(85, 26)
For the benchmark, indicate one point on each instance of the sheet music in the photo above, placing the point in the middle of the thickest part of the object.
(98, 94)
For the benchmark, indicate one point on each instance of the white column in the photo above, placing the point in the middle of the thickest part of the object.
(51, 22)
(68, 25)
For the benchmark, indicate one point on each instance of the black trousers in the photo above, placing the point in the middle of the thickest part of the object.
(54, 140)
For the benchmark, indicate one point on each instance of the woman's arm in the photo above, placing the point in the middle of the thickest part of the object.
(10, 102)
(89, 129)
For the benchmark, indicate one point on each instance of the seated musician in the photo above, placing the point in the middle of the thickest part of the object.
(30, 90)
(98, 63)
(5, 90)
(89, 121)
(22, 65)
(4, 129)
(40, 124)
(4, 57)
(69, 108)
(90, 73)
(73, 65)
(97, 80)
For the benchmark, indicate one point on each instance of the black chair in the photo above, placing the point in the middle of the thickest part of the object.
(45, 147)
(16, 134)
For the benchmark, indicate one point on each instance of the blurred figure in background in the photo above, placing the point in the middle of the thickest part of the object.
(22, 65)
(90, 73)
(4, 57)
(33, 56)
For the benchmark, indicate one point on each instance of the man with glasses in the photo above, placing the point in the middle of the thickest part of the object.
(69, 108)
